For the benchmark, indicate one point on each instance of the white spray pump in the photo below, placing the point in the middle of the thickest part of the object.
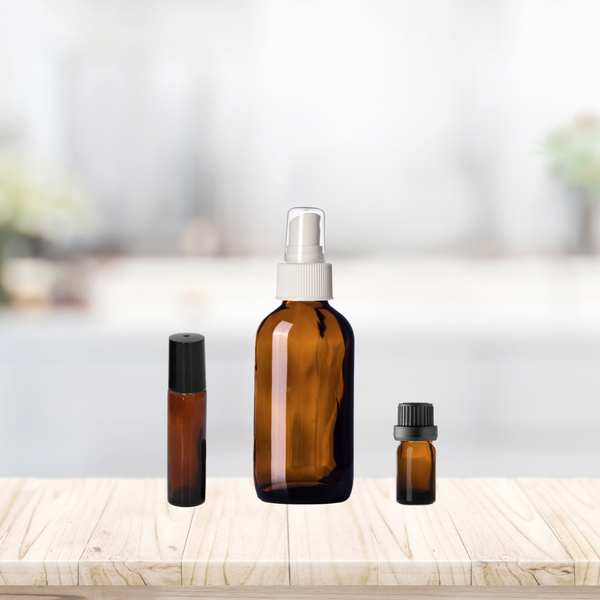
(305, 276)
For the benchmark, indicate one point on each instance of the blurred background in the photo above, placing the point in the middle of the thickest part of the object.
(150, 150)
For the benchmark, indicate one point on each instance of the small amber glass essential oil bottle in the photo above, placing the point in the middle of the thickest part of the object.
(415, 431)
(187, 420)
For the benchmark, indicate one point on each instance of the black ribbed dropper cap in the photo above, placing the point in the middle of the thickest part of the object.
(415, 422)
(187, 364)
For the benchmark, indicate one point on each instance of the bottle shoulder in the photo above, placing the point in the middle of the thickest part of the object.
(297, 313)
(273, 318)
(416, 450)
(344, 323)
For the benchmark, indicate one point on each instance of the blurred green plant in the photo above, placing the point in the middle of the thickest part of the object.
(37, 203)
(574, 153)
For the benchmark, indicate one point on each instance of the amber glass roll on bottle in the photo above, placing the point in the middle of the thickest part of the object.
(304, 379)
(187, 420)
(415, 483)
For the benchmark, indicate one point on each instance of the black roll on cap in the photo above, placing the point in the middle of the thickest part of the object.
(415, 422)
(187, 364)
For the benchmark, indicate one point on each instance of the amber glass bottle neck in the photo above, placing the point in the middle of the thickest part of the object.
(419, 442)
(313, 303)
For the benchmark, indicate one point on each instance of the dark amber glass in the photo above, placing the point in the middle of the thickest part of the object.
(416, 473)
(187, 448)
(304, 405)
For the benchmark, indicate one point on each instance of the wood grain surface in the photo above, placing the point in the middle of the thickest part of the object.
(494, 532)
(139, 539)
(295, 592)
(508, 541)
(332, 544)
(572, 508)
(415, 545)
(45, 526)
(235, 539)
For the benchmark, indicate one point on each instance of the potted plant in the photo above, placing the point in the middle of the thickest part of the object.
(37, 204)
(574, 153)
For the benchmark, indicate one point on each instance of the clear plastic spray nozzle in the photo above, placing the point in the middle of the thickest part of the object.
(305, 239)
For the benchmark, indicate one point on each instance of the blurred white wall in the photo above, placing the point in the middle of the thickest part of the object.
(195, 124)
(415, 125)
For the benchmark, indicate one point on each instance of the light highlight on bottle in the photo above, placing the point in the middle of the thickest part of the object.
(278, 403)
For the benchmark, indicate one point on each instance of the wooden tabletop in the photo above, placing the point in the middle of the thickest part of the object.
(120, 532)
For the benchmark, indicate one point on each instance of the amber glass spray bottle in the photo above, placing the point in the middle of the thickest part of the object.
(187, 420)
(304, 379)
(415, 483)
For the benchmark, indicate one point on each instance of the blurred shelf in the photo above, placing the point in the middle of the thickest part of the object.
(425, 298)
